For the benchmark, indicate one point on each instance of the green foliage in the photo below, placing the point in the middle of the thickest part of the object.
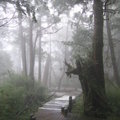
(82, 42)
(78, 106)
(113, 94)
(19, 98)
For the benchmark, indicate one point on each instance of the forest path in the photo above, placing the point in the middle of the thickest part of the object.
(52, 109)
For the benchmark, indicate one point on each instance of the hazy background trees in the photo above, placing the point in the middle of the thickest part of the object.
(39, 36)
(39, 24)
(33, 33)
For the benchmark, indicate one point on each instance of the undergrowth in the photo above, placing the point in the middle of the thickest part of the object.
(113, 97)
(19, 98)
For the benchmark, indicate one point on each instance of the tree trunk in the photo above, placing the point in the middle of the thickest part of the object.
(113, 58)
(98, 42)
(95, 103)
(60, 81)
(46, 72)
(91, 72)
(39, 59)
(31, 50)
(23, 44)
(39, 56)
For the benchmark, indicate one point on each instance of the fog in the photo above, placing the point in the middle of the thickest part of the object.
(59, 56)
(53, 36)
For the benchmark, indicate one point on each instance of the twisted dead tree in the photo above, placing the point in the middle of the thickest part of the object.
(93, 98)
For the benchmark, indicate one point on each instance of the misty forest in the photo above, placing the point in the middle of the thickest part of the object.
(59, 60)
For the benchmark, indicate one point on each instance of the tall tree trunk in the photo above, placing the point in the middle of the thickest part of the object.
(60, 81)
(46, 72)
(23, 44)
(98, 42)
(31, 50)
(39, 56)
(91, 73)
(95, 103)
(50, 65)
(113, 58)
(39, 60)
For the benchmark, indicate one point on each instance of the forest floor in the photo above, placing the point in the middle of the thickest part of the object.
(52, 109)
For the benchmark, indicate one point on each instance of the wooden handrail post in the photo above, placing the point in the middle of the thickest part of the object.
(64, 111)
(32, 117)
(70, 104)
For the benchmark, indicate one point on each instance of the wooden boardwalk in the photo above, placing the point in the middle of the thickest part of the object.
(44, 114)
(52, 109)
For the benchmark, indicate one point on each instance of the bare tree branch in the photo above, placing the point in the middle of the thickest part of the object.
(71, 69)
(48, 26)
(54, 31)
(8, 20)
(36, 38)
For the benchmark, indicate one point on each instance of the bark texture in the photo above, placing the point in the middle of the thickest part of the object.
(98, 41)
